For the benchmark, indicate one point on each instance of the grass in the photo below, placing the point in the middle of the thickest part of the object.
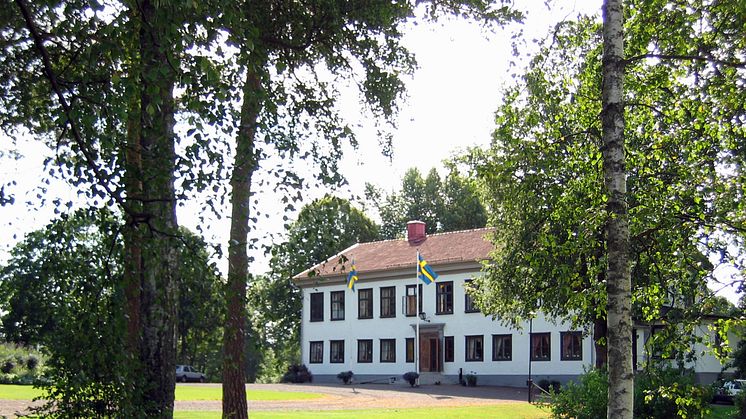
(197, 392)
(719, 411)
(501, 411)
(190, 392)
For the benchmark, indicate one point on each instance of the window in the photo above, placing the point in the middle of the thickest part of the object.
(444, 298)
(412, 294)
(572, 346)
(365, 303)
(338, 305)
(502, 347)
(388, 350)
(469, 306)
(410, 349)
(337, 351)
(541, 347)
(317, 307)
(388, 301)
(316, 354)
(448, 351)
(475, 348)
(365, 350)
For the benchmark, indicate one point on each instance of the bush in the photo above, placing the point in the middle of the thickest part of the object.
(345, 376)
(297, 374)
(670, 393)
(411, 377)
(7, 367)
(585, 399)
(32, 362)
(471, 380)
(739, 401)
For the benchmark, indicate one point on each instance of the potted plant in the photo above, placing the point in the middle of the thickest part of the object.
(471, 379)
(411, 377)
(345, 376)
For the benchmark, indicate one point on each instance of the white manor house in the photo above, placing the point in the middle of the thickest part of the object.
(371, 330)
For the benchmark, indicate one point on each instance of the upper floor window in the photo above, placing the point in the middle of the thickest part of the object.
(388, 350)
(337, 351)
(365, 303)
(572, 346)
(338, 305)
(388, 301)
(541, 347)
(316, 354)
(317, 307)
(475, 348)
(444, 298)
(502, 347)
(469, 306)
(365, 350)
(414, 293)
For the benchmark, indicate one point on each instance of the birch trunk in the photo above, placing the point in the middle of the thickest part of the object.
(159, 251)
(618, 279)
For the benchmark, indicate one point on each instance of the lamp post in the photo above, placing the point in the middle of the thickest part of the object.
(530, 382)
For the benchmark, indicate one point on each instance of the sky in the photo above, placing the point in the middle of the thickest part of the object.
(451, 101)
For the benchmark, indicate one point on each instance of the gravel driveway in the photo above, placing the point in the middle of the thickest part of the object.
(341, 397)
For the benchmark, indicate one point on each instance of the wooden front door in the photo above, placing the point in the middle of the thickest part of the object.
(430, 352)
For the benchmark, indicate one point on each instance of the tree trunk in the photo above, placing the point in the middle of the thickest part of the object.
(600, 341)
(235, 405)
(158, 288)
(618, 279)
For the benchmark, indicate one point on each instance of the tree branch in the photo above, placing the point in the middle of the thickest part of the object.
(679, 57)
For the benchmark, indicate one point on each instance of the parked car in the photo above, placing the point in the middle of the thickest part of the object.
(729, 390)
(186, 373)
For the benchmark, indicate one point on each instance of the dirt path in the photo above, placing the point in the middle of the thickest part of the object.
(339, 397)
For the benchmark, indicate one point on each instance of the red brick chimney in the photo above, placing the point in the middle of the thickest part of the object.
(416, 232)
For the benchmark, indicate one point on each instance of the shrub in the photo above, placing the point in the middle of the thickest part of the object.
(471, 380)
(585, 399)
(297, 374)
(740, 403)
(7, 367)
(411, 377)
(32, 362)
(345, 376)
(670, 392)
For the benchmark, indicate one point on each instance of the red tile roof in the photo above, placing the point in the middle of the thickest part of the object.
(437, 249)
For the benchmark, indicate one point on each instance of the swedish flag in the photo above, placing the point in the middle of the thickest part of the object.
(424, 271)
(352, 277)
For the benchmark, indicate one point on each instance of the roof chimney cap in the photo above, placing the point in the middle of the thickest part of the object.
(416, 232)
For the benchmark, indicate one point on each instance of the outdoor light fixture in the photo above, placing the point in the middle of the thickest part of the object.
(423, 316)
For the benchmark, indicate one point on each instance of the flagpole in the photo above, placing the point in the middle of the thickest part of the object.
(417, 315)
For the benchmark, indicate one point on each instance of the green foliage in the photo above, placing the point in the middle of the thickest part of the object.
(659, 393)
(444, 205)
(670, 392)
(739, 359)
(584, 399)
(297, 374)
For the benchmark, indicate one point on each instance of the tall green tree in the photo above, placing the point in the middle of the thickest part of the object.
(547, 195)
(444, 205)
(323, 228)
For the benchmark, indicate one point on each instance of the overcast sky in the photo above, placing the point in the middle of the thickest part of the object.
(451, 101)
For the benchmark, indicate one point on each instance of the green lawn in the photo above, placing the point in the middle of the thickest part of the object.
(183, 392)
(197, 392)
(720, 411)
(503, 411)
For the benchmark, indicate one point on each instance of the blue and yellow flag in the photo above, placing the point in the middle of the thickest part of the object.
(424, 271)
(352, 277)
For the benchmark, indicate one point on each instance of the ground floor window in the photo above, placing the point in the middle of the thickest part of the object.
(410, 349)
(388, 350)
(572, 346)
(316, 353)
(541, 347)
(365, 350)
(337, 351)
(502, 347)
(475, 348)
(448, 350)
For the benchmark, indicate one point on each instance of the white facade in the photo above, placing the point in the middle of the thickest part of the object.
(440, 327)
